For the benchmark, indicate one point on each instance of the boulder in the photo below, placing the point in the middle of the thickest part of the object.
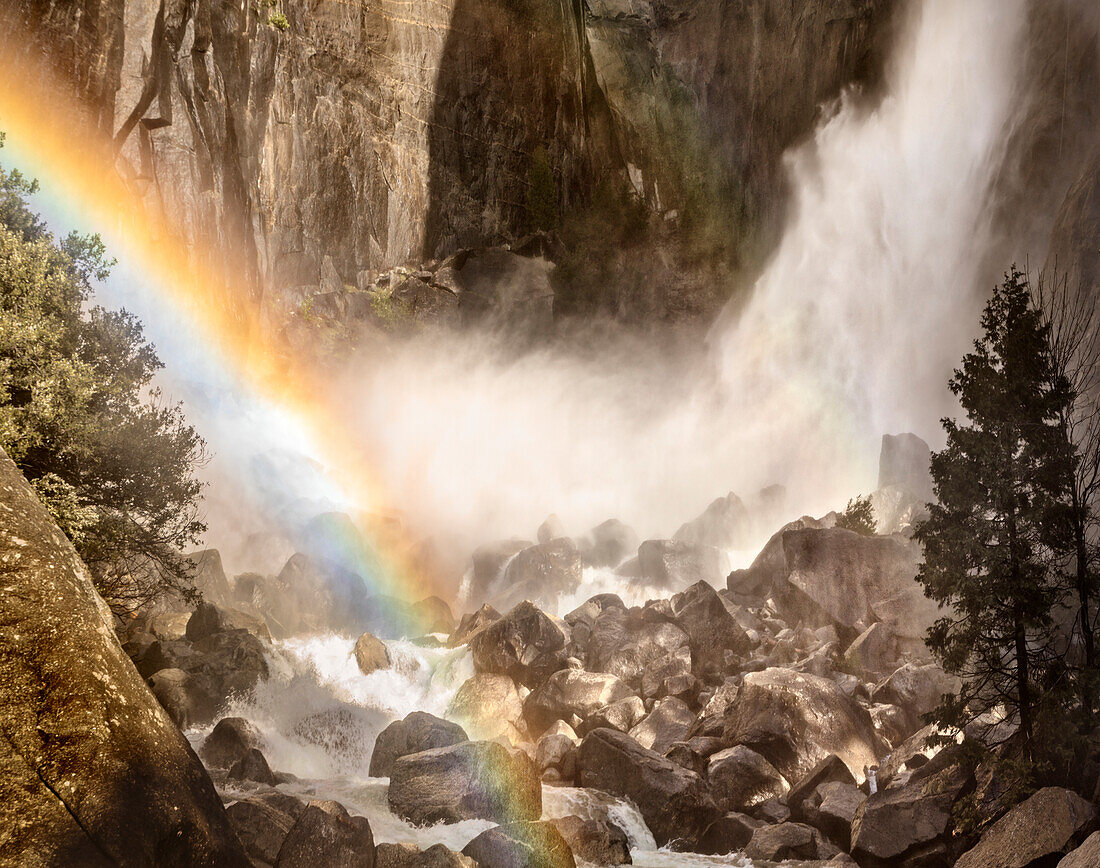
(740, 778)
(177, 695)
(541, 573)
(832, 768)
(873, 654)
(916, 689)
(1051, 822)
(795, 720)
(623, 715)
(673, 801)
(583, 618)
(788, 841)
(472, 624)
(371, 654)
(92, 770)
(598, 841)
(208, 620)
(551, 750)
(727, 834)
(609, 544)
(526, 644)
(911, 822)
(723, 525)
(433, 615)
(667, 723)
(208, 577)
(417, 731)
(904, 460)
(828, 575)
(521, 845)
(631, 648)
(228, 741)
(571, 692)
(831, 808)
(488, 564)
(489, 706)
(550, 529)
(1085, 856)
(664, 563)
(473, 779)
(911, 754)
(261, 828)
(252, 767)
(714, 634)
(411, 856)
(325, 834)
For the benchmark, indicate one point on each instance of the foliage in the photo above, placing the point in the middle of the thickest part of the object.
(858, 516)
(80, 416)
(278, 20)
(1000, 482)
(391, 312)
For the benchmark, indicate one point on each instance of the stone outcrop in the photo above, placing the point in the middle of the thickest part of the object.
(417, 731)
(92, 769)
(526, 645)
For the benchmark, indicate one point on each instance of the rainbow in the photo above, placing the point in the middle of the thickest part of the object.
(48, 134)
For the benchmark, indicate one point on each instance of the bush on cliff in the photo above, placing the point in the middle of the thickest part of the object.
(80, 416)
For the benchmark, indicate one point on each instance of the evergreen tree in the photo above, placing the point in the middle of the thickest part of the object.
(80, 416)
(988, 542)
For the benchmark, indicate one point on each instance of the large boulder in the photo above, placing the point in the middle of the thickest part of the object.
(540, 573)
(904, 460)
(1085, 856)
(630, 648)
(411, 856)
(433, 615)
(823, 576)
(795, 720)
(416, 732)
(371, 654)
(664, 563)
(471, 624)
(208, 577)
(92, 770)
(609, 544)
(582, 621)
(723, 525)
(521, 845)
(325, 834)
(229, 740)
(261, 828)
(728, 833)
(673, 801)
(715, 636)
(669, 722)
(874, 653)
(252, 767)
(470, 780)
(740, 778)
(526, 644)
(916, 689)
(788, 841)
(570, 693)
(489, 706)
(488, 563)
(911, 822)
(597, 841)
(1051, 822)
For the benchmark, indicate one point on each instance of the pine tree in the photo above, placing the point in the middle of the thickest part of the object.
(1000, 483)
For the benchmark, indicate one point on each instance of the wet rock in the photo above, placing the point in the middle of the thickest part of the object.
(788, 841)
(541, 573)
(208, 620)
(571, 692)
(916, 689)
(1085, 856)
(727, 834)
(711, 721)
(668, 564)
(371, 654)
(411, 856)
(796, 720)
(225, 664)
(740, 778)
(770, 811)
(261, 828)
(609, 544)
(582, 620)
(550, 529)
(465, 781)
(325, 834)
(911, 754)
(874, 652)
(891, 722)
(208, 577)
(253, 767)
(623, 715)
(723, 525)
(472, 624)
(673, 801)
(832, 768)
(228, 741)
(669, 722)
(489, 706)
(521, 845)
(433, 615)
(94, 771)
(1052, 821)
(643, 654)
(714, 634)
(177, 696)
(831, 809)
(526, 644)
(290, 805)
(551, 749)
(904, 460)
(598, 841)
(911, 821)
(488, 564)
(417, 731)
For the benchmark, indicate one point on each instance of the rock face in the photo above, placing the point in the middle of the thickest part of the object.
(795, 720)
(473, 779)
(1053, 821)
(673, 801)
(418, 731)
(92, 769)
